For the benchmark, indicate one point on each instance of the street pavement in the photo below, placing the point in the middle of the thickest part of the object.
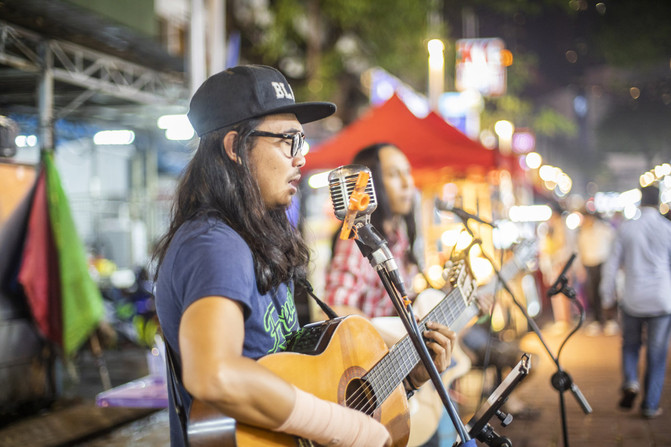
(591, 361)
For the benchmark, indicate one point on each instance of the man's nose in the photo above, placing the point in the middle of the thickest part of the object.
(298, 161)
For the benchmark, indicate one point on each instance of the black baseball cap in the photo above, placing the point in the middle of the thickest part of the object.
(248, 91)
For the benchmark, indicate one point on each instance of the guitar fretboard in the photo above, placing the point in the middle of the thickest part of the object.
(385, 376)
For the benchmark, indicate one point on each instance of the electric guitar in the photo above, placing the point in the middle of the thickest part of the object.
(342, 360)
(426, 407)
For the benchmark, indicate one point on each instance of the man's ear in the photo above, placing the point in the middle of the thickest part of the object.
(229, 145)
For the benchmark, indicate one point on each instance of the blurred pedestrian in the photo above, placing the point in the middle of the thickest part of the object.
(642, 249)
(595, 239)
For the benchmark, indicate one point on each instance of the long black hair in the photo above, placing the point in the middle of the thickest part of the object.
(213, 185)
(370, 156)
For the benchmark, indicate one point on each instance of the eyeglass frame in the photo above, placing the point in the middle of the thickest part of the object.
(297, 139)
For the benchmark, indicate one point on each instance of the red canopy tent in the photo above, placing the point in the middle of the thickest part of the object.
(430, 144)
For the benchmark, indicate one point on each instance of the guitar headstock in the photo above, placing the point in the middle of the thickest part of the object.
(459, 276)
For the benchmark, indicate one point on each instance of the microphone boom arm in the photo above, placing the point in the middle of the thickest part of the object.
(461, 213)
(561, 380)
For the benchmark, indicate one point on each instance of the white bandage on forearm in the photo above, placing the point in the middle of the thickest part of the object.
(331, 424)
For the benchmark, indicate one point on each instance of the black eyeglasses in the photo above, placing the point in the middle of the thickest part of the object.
(297, 139)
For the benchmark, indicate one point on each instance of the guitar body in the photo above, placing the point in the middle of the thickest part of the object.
(347, 349)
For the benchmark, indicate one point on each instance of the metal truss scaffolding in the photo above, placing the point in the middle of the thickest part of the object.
(53, 60)
(86, 68)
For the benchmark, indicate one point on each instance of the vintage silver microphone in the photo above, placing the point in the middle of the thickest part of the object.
(342, 183)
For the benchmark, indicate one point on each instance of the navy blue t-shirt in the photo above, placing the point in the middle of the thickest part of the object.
(206, 257)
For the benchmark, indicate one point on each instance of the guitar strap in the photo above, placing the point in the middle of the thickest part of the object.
(325, 307)
(173, 378)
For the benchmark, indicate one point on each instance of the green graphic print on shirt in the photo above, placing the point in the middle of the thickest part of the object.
(278, 326)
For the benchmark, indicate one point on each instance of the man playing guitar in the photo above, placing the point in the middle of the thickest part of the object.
(227, 266)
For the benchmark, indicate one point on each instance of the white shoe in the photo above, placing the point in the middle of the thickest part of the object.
(611, 328)
(593, 329)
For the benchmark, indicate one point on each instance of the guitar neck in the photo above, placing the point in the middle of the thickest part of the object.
(385, 376)
(454, 311)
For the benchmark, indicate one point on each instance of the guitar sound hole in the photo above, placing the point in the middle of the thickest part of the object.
(360, 396)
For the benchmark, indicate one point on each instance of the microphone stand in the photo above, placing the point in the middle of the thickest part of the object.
(370, 242)
(561, 380)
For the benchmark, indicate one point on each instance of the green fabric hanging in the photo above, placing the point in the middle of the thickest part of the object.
(81, 300)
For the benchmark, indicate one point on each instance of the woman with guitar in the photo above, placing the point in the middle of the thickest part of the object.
(226, 272)
(352, 285)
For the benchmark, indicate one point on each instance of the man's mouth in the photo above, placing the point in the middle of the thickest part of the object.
(295, 182)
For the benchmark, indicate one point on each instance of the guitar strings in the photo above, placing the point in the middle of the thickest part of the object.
(392, 378)
(412, 357)
(389, 372)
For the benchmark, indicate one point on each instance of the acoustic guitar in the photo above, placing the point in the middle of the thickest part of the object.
(426, 407)
(342, 360)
